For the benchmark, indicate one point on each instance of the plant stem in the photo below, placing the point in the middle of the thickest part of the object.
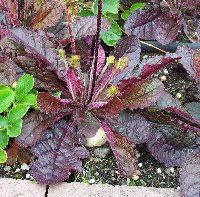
(96, 52)
(72, 41)
(153, 46)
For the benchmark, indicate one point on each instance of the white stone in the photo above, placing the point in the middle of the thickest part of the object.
(24, 166)
(163, 78)
(159, 170)
(135, 177)
(17, 170)
(178, 95)
(166, 71)
(98, 140)
(171, 170)
(91, 181)
(28, 176)
(7, 168)
(140, 165)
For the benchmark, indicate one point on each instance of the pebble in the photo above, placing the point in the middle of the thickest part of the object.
(178, 187)
(159, 170)
(178, 95)
(91, 181)
(163, 78)
(135, 177)
(138, 154)
(166, 71)
(140, 165)
(17, 170)
(102, 152)
(24, 166)
(28, 176)
(171, 170)
(7, 168)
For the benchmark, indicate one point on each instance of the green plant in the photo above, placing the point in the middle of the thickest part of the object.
(15, 101)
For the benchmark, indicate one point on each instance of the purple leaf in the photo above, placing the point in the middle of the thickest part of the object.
(52, 104)
(81, 27)
(57, 154)
(190, 59)
(188, 3)
(140, 22)
(8, 73)
(168, 154)
(132, 126)
(45, 78)
(166, 28)
(129, 47)
(10, 10)
(190, 176)
(87, 124)
(34, 125)
(166, 100)
(142, 94)
(101, 55)
(194, 110)
(123, 151)
(42, 45)
(152, 65)
(48, 14)
(112, 108)
(148, 67)
(74, 83)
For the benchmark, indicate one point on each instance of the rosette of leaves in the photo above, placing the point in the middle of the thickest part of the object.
(15, 101)
(96, 93)
(162, 20)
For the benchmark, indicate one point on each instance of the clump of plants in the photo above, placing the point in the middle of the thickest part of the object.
(82, 91)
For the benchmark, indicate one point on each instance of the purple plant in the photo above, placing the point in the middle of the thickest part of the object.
(113, 93)
(162, 20)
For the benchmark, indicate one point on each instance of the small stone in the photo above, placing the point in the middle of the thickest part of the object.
(7, 168)
(178, 95)
(163, 78)
(98, 140)
(91, 181)
(102, 152)
(140, 165)
(166, 71)
(28, 176)
(167, 171)
(24, 166)
(143, 182)
(171, 170)
(135, 177)
(178, 187)
(17, 170)
(138, 154)
(159, 170)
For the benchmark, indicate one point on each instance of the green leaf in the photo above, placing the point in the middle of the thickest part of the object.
(7, 96)
(24, 85)
(86, 12)
(109, 6)
(112, 36)
(2, 87)
(3, 139)
(133, 8)
(17, 112)
(14, 130)
(29, 99)
(3, 121)
(3, 156)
